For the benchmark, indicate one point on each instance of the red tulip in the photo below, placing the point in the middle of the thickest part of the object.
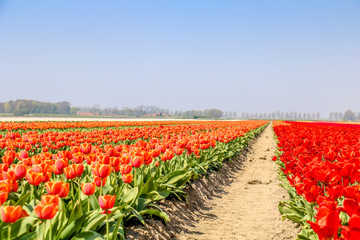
(61, 163)
(3, 197)
(127, 178)
(20, 171)
(352, 232)
(125, 169)
(106, 202)
(10, 214)
(101, 170)
(52, 199)
(46, 211)
(78, 158)
(327, 221)
(137, 161)
(4, 167)
(65, 187)
(85, 148)
(23, 154)
(99, 181)
(88, 188)
(34, 178)
(53, 188)
(73, 171)
(7, 159)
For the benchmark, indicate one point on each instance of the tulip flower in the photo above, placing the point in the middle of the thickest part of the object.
(88, 188)
(100, 182)
(127, 178)
(3, 197)
(4, 167)
(20, 171)
(53, 188)
(106, 202)
(85, 148)
(352, 232)
(34, 178)
(101, 170)
(65, 187)
(327, 221)
(73, 171)
(23, 154)
(52, 199)
(137, 161)
(125, 169)
(61, 163)
(10, 214)
(46, 211)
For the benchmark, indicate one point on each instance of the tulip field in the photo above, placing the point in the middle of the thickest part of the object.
(320, 168)
(87, 180)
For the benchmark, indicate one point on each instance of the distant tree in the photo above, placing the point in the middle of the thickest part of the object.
(234, 114)
(349, 115)
(214, 113)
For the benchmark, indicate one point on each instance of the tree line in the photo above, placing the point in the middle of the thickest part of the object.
(24, 106)
(143, 110)
(282, 115)
(348, 115)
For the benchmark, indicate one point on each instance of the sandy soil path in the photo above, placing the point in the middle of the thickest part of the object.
(248, 207)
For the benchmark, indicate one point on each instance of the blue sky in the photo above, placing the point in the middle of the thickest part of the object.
(252, 55)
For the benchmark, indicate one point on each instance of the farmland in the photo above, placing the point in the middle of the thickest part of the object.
(66, 180)
(178, 179)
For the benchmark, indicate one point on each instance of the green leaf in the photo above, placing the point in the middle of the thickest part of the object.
(116, 229)
(156, 212)
(290, 212)
(149, 186)
(94, 220)
(20, 227)
(88, 235)
(72, 227)
(138, 216)
(129, 197)
(76, 212)
(23, 199)
(94, 203)
(175, 176)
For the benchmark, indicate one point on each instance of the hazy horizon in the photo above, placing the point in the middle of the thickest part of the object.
(248, 56)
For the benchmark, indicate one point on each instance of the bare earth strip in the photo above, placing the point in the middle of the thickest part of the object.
(248, 207)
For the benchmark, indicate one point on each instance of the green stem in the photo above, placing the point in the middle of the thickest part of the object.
(101, 188)
(50, 231)
(88, 200)
(79, 189)
(31, 192)
(107, 225)
(9, 232)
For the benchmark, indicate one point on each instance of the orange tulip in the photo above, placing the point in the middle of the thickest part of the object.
(3, 197)
(20, 171)
(53, 188)
(106, 202)
(125, 169)
(99, 181)
(10, 214)
(127, 178)
(47, 198)
(34, 178)
(88, 188)
(101, 170)
(65, 187)
(85, 148)
(46, 211)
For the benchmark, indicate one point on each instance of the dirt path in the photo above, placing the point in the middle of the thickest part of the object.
(248, 207)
